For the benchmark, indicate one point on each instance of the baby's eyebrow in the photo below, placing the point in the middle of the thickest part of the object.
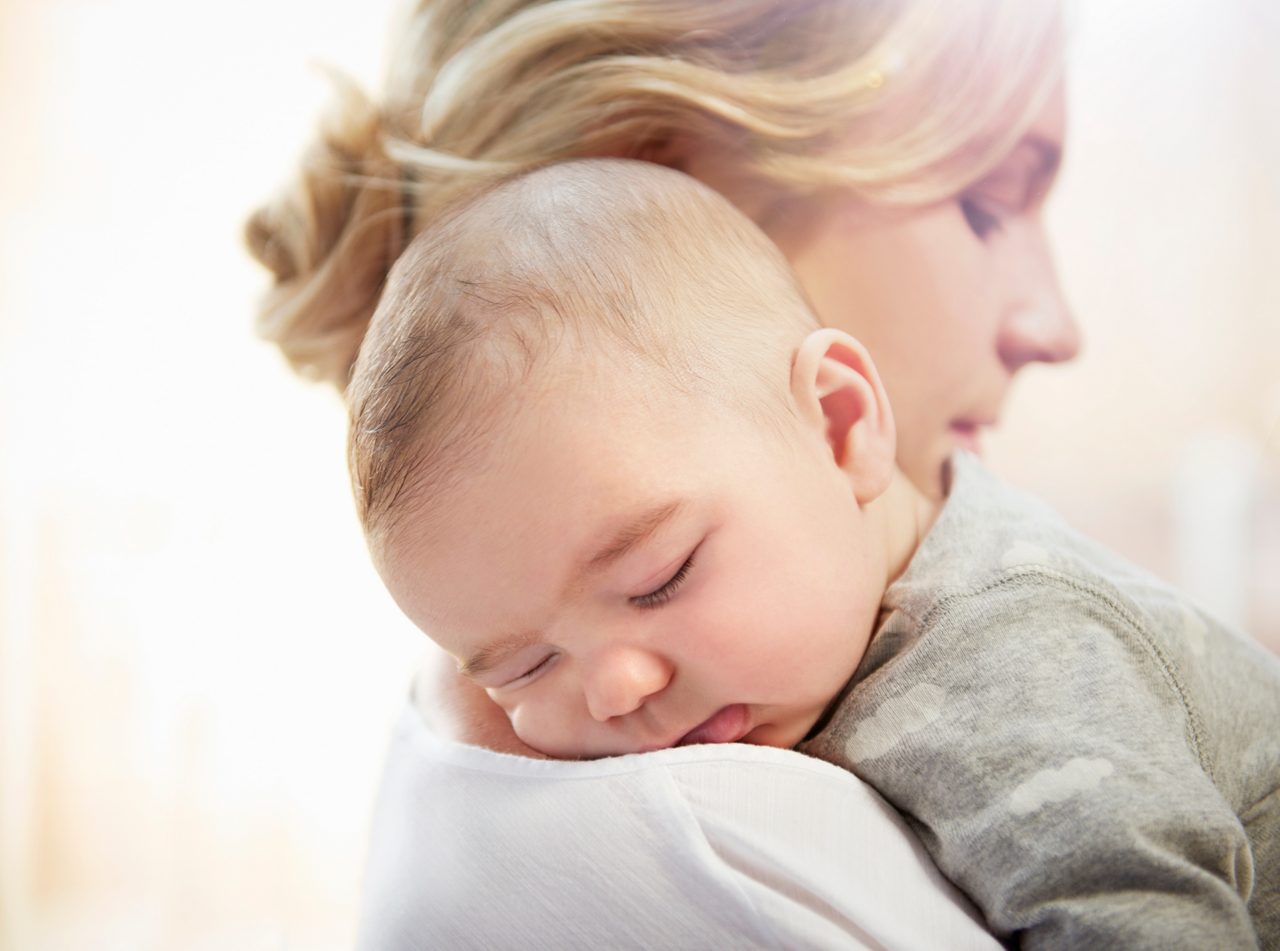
(632, 532)
(489, 656)
(635, 530)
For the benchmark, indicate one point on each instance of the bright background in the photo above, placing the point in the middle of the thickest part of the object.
(198, 669)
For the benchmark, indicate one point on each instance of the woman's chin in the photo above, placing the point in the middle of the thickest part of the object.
(967, 436)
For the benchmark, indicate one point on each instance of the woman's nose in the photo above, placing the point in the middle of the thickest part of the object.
(1038, 326)
(620, 681)
(1041, 332)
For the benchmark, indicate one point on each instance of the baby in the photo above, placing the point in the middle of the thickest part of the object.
(607, 458)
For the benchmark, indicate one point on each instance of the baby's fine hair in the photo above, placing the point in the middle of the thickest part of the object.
(596, 262)
(899, 101)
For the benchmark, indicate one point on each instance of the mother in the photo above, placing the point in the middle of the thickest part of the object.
(897, 151)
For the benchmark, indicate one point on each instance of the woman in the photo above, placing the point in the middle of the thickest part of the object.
(897, 151)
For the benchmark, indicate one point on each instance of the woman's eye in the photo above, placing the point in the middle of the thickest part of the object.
(663, 594)
(982, 222)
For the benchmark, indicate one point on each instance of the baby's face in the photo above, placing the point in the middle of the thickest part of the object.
(626, 570)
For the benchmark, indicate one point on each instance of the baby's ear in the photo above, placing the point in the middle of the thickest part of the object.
(837, 389)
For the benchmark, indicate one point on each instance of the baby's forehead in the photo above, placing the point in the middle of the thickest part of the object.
(649, 288)
(544, 478)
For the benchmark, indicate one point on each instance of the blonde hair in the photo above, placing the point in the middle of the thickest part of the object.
(597, 266)
(902, 101)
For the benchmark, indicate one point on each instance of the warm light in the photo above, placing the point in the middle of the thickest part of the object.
(198, 667)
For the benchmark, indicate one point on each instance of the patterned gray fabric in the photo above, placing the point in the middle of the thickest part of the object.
(1087, 755)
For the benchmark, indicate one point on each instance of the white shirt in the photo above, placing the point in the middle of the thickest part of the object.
(696, 847)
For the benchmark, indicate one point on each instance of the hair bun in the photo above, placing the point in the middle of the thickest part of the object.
(328, 239)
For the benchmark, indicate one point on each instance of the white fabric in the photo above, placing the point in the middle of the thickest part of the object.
(697, 847)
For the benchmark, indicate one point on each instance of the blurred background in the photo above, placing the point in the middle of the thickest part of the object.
(198, 668)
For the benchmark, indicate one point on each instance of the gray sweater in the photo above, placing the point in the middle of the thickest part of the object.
(1087, 755)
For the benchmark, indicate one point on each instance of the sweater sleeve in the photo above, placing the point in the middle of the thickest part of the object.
(1046, 750)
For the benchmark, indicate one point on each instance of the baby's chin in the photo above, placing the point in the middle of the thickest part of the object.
(779, 736)
(579, 754)
(570, 753)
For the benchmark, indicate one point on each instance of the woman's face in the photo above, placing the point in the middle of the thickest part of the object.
(951, 299)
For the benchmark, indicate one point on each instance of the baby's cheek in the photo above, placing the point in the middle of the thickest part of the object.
(539, 725)
(503, 700)
(518, 714)
(523, 727)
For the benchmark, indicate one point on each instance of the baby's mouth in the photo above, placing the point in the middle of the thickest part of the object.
(726, 725)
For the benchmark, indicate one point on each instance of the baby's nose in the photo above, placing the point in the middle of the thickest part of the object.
(622, 679)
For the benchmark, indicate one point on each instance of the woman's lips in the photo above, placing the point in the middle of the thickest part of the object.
(726, 725)
(967, 435)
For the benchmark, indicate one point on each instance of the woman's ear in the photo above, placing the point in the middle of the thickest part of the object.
(838, 391)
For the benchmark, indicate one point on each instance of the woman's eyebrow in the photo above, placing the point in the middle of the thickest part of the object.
(1048, 156)
(1031, 168)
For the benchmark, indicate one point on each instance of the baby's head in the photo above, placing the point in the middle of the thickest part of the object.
(606, 458)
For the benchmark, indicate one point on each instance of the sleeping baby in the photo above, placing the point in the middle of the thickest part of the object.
(606, 457)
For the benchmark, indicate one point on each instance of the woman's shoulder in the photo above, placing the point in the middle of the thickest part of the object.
(741, 845)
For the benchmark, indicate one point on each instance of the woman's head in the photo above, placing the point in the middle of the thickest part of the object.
(952, 298)
(828, 122)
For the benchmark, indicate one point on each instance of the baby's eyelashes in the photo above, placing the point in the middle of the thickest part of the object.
(523, 670)
(664, 592)
(538, 667)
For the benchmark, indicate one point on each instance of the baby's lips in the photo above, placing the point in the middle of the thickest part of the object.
(726, 725)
